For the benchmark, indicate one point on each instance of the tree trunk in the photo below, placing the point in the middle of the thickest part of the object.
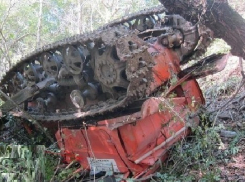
(215, 14)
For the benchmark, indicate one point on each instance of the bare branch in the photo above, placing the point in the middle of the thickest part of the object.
(39, 24)
(241, 67)
(19, 38)
(6, 49)
(7, 15)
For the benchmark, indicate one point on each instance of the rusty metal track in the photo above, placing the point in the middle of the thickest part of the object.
(116, 48)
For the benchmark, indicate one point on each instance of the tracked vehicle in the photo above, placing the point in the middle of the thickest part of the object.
(117, 96)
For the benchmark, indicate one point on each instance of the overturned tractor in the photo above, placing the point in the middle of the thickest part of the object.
(117, 96)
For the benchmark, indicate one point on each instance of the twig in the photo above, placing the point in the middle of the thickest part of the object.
(6, 52)
(7, 15)
(153, 179)
(89, 145)
(240, 140)
(231, 116)
(19, 38)
(241, 66)
(73, 175)
(146, 178)
(39, 23)
(69, 165)
(171, 108)
(215, 119)
(57, 168)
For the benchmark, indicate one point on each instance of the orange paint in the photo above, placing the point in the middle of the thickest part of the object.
(136, 145)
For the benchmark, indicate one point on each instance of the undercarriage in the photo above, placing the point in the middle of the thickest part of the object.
(118, 96)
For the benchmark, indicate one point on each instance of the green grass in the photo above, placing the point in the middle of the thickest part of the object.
(193, 159)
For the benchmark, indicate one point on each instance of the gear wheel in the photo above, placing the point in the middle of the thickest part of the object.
(109, 70)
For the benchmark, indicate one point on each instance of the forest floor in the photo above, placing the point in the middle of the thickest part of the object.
(228, 150)
(225, 99)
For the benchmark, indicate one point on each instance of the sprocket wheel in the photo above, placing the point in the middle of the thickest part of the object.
(109, 70)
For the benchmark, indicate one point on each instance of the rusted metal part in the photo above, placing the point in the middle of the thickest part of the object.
(134, 143)
(139, 15)
(26, 93)
(99, 87)
(102, 71)
(209, 65)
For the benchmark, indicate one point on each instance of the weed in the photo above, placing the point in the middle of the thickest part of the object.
(194, 158)
(233, 149)
(51, 163)
(22, 163)
(218, 46)
(214, 90)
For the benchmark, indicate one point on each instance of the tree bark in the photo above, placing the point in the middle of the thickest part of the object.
(216, 15)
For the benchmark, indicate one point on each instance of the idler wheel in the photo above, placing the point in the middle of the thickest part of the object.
(33, 72)
(73, 59)
(19, 81)
(51, 64)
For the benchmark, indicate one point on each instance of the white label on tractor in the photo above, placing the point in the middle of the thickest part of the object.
(97, 165)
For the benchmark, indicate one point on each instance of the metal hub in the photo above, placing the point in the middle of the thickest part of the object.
(108, 73)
